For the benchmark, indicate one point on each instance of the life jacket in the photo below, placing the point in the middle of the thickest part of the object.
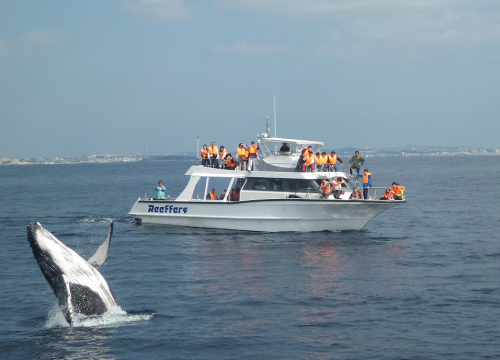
(324, 159)
(222, 153)
(222, 195)
(204, 153)
(241, 152)
(236, 195)
(326, 188)
(332, 159)
(310, 159)
(365, 177)
(212, 150)
(213, 196)
(400, 191)
(230, 162)
(318, 160)
(252, 149)
(389, 194)
(305, 153)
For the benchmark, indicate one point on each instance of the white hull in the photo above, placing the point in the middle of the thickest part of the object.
(302, 215)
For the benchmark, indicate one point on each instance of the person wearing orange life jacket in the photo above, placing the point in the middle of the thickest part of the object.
(326, 188)
(213, 155)
(332, 161)
(223, 194)
(388, 195)
(230, 163)
(367, 182)
(204, 156)
(252, 156)
(235, 195)
(212, 195)
(324, 161)
(308, 163)
(337, 184)
(398, 191)
(242, 157)
(222, 157)
(356, 194)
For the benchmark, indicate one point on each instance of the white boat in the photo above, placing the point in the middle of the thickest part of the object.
(275, 198)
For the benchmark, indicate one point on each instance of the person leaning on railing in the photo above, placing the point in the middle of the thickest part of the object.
(242, 157)
(213, 155)
(204, 156)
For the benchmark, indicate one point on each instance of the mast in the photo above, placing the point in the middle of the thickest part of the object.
(274, 115)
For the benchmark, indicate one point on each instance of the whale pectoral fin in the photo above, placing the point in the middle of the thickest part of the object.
(101, 254)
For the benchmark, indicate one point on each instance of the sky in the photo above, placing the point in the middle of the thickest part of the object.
(94, 77)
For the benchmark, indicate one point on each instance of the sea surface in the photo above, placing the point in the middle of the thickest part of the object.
(420, 281)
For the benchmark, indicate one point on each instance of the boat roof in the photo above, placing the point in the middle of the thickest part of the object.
(289, 141)
(199, 170)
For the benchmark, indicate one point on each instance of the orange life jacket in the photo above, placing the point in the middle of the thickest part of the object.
(230, 162)
(324, 159)
(332, 159)
(236, 195)
(318, 160)
(389, 194)
(222, 153)
(241, 151)
(399, 190)
(309, 159)
(213, 196)
(212, 150)
(204, 153)
(365, 178)
(326, 188)
(252, 149)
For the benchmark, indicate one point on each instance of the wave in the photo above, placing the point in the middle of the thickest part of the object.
(116, 316)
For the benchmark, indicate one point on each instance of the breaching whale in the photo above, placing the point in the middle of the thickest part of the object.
(78, 286)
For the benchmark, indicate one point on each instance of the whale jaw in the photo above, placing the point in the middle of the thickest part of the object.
(77, 285)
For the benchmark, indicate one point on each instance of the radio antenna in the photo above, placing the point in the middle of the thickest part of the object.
(274, 115)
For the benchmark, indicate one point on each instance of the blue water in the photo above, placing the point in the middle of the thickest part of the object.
(421, 281)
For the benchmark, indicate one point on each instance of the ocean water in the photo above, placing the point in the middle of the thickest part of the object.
(420, 281)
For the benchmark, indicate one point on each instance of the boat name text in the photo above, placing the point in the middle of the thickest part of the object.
(167, 209)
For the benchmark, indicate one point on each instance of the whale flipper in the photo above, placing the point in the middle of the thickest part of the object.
(77, 285)
(101, 254)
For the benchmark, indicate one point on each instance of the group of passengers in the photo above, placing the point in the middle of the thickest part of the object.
(395, 192)
(335, 188)
(309, 161)
(246, 157)
(234, 195)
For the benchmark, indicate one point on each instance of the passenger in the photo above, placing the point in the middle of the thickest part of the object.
(308, 162)
(235, 194)
(319, 162)
(398, 191)
(222, 157)
(332, 161)
(324, 160)
(337, 183)
(285, 148)
(242, 157)
(388, 195)
(213, 195)
(326, 188)
(160, 191)
(355, 163)
(252, 156)
(204, 156)
(356, 194)
(223, 194)
(301, 160)
(214, 156)
(230, 163)
(367, 182)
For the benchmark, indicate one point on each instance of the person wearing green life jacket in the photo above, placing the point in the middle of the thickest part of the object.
(160, 190)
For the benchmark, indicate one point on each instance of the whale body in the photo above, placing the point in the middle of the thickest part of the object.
(76, 283)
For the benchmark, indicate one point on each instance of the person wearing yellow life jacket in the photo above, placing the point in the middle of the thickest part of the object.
(388, 195)
(324, 161)
(213, 155)
(308, 163)
(242, 157)
(367, 182)
(319, 162)
(222, 157)
(204, 156)
(326, 189)
(230, 163)
(332, 161)
(252, 156)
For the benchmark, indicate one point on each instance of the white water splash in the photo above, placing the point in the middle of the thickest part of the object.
(116, 316)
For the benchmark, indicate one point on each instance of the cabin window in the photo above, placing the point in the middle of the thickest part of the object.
(219, 184)
(276, 185)
(302, 185)
(260, 184)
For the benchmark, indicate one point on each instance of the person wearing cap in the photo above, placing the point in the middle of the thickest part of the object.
(160, 191)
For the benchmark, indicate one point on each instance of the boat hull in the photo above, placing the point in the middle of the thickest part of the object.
(302, 215)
